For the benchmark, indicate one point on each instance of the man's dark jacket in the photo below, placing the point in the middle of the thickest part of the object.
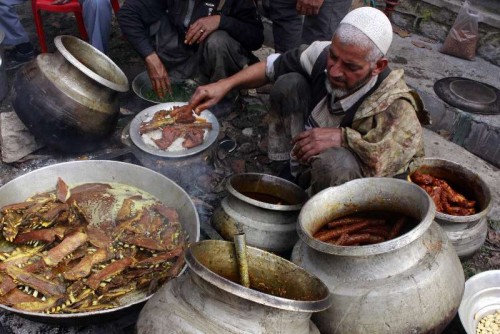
(238, 17)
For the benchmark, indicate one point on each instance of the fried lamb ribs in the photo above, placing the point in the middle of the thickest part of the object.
(55, 260)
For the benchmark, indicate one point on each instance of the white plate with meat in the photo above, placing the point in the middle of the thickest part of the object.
(171, 130)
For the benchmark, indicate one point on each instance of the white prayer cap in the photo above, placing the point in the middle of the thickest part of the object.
(374, 24)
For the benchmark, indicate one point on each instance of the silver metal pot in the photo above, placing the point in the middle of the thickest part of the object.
(3, 76)
(467, 233)
(268, 226)
(77, 172)
(410, 284)
(74, 92)
(207, 300)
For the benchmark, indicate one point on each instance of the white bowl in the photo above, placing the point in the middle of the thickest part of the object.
(481, 298)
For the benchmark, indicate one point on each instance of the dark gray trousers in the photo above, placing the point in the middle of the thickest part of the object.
(218, 57)
(290, 29)
(289, 103)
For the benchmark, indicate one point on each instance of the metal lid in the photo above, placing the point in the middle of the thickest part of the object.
(469, 95)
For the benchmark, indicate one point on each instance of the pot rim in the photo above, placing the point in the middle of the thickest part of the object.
(366, 250)
(58, 41)
(446, 218)
(253, 295)
(276, 207)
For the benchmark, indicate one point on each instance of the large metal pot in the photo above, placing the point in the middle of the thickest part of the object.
(3, 76)
(267, 225)
(69, 99)
(207, 300)
(410, 284)
(467, 233)
(78, 172)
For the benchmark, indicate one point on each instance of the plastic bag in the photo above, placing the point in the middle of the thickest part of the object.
(462, 39)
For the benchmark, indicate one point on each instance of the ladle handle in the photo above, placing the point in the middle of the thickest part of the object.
(240, 246)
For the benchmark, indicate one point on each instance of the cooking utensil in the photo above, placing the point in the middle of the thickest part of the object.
(240, 247)
(208, 299)
(148, 113)
(78, 172)
(466, 233)
(377, 288)
(141, 85)
(469, 95)
(481, 298)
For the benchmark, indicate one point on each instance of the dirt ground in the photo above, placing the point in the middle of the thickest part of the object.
(247, 128)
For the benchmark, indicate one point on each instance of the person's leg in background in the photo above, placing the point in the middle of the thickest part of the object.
(15, 35)
(289, 102)
(97, 15)
(287, 24)
(322, 26)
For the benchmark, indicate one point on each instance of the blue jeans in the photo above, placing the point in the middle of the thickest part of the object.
(10, 24)
(97, 15)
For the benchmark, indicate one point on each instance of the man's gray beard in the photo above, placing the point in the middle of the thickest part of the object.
(341, 92)
(335, 92)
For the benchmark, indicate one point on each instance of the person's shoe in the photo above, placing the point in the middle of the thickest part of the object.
(15, 59)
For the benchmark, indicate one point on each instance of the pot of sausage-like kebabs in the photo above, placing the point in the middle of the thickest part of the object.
(375, 244)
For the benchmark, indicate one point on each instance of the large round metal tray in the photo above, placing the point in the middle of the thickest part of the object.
(148, 113)
(141, 85)
(77, 172)
(469, 95)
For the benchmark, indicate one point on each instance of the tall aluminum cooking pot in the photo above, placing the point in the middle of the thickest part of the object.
(264, 207)
(206, 300)
(77, 172)
(3, 76)
(69, 99)
(410, 284)
(467, 233)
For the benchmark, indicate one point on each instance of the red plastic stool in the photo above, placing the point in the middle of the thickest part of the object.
(72, 6)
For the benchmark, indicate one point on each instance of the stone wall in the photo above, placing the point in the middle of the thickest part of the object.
(434, 19)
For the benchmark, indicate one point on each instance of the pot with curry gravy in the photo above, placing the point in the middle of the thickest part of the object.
(264, 207)
(208, 298)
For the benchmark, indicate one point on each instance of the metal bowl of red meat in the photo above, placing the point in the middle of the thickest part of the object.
(147, 114)
(463, 181)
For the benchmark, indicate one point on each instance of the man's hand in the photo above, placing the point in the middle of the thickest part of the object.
(209, 95)
(312, 142)
(158, 75)
(309, 7)
(199, 30)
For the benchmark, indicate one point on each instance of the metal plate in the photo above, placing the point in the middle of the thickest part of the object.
(78, 172)
(148, 113)
(469, 95)
(142, 85)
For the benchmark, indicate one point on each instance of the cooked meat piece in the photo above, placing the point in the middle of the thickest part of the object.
(168, 135)
(160, 119)
(183, 113)
(455, 197)
(185, 117)
(193, 138)
(422, 179)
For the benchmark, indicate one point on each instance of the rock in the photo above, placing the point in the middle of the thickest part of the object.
(246, 148)
(247, 132)
(16, 140)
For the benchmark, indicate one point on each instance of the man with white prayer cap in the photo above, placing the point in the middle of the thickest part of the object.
(337, 111)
